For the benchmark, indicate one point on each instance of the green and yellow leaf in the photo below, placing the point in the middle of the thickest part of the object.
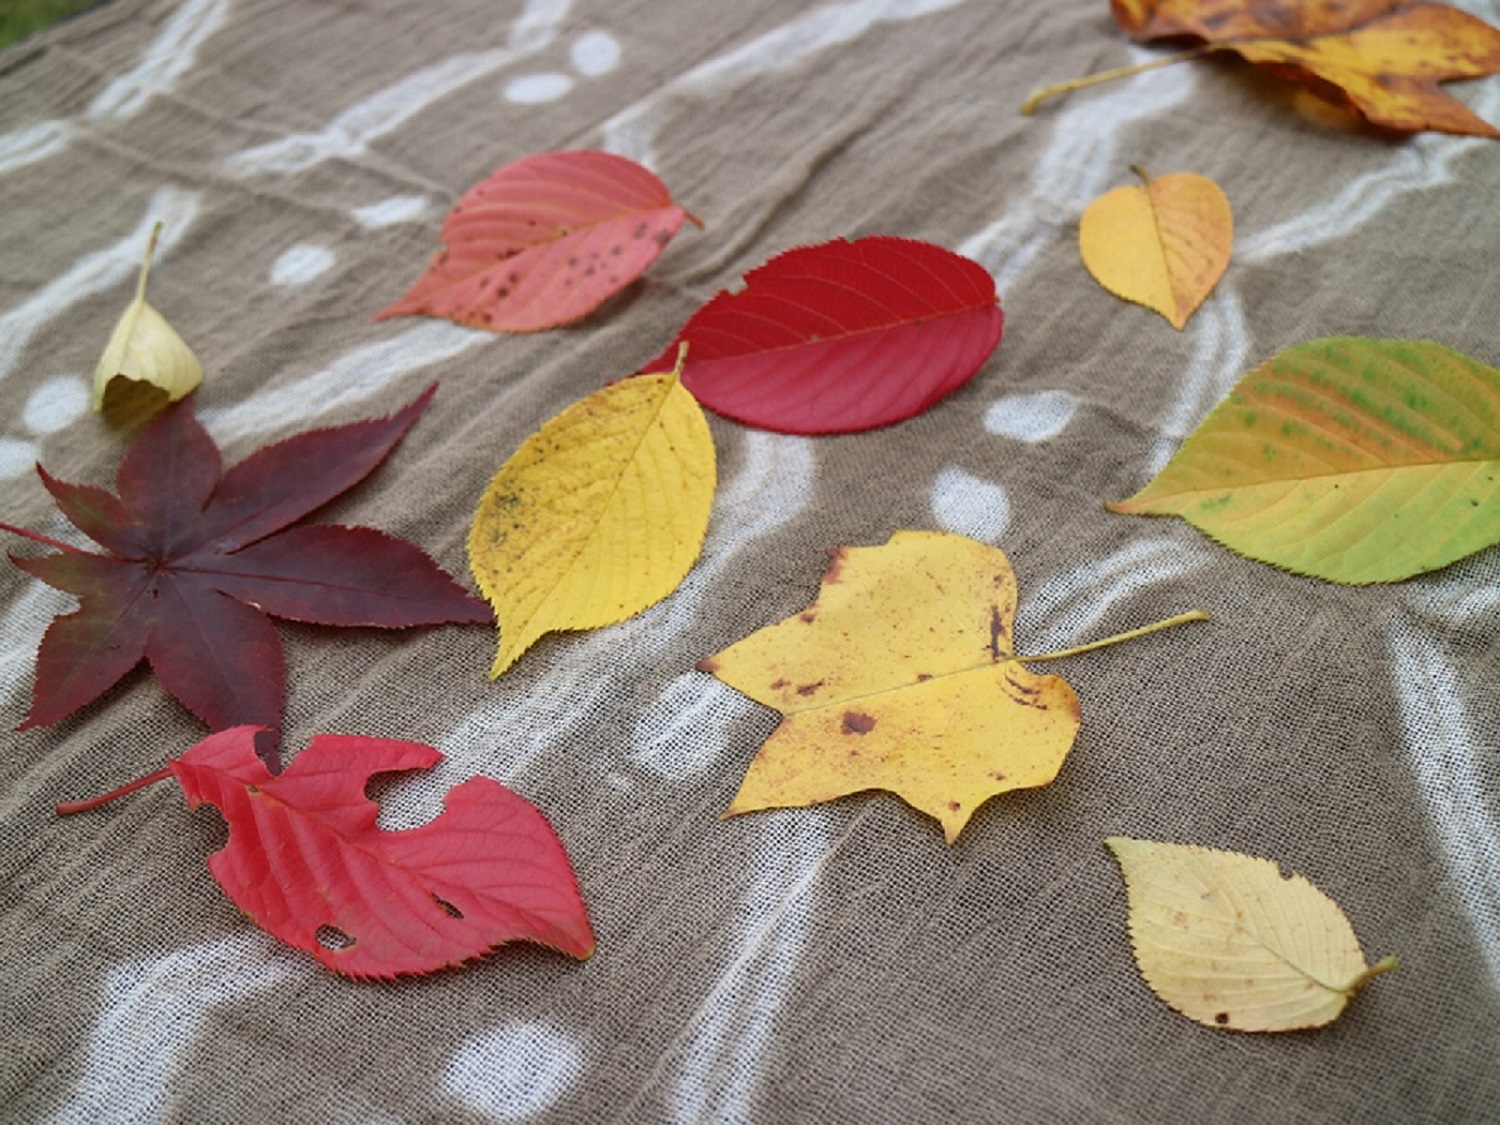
(1348, 459)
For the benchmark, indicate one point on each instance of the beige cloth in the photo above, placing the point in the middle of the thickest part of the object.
(837, 963)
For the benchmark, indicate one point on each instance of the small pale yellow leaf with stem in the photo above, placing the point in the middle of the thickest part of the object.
(146, 364)
(1229, 941)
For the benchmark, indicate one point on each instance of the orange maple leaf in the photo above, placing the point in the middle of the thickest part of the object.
(1381, 59)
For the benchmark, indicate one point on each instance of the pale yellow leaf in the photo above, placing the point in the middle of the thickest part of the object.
(145, 359)
(599, 514)
(1229, 941)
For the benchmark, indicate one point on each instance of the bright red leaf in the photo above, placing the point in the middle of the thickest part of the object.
(545, 241)
(307, 862)
(197, 557)
(841, 336)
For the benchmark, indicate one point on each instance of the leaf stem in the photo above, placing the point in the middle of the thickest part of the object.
(1036, 97)
(1384, 965)
(1180, 619)
(140, 285)
(61, 546)
(68, 808)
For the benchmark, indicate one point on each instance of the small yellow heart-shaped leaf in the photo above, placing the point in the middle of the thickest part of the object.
(1163, 244)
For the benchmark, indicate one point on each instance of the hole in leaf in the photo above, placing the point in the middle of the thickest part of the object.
(448, 908)
(331, 937)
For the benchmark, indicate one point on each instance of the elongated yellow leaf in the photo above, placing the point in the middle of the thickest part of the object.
(1348, 459)
(902, 677)
(1163, 244)
(1229, 941)
(146, 364)
(599, 514)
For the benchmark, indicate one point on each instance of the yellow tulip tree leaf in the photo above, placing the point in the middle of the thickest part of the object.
(599, 514)
(1381, 59)
(1229, 941)
(1163, 244)
(902, 677)
(146, 364)
(1347, 459)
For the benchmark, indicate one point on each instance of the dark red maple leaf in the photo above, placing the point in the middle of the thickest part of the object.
(196, 558)
(307, 862)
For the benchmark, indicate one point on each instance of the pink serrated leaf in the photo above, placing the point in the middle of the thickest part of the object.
(306, 861)
(544, 241)
(841, 336)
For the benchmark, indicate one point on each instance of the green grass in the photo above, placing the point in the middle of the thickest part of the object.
(20, 18)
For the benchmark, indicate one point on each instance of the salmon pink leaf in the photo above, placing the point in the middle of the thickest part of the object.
(196, 558)
(545, 241)
(842, 336)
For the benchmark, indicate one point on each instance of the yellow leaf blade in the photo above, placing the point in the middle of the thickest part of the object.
(599, 514)
(1228, 941)
(1163, 244)
(144, 350)
(901, 677)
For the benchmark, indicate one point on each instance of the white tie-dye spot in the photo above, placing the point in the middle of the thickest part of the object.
(301, 264)
(152, 1012)
(58, 402)
(595, 53)
(511, 1073)
(389, 212)
(1034, 417)
(534, 89)
(967, 505)
(17, 456)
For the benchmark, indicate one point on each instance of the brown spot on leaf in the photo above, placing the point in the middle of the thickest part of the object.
(954, 806)
(923, 677)
(835, 564)
(1221, 1017)
(997, 627)
(662, 237)
(809, 617)
(996, 775)
(808, 689)
(779, 684)
(857, 722)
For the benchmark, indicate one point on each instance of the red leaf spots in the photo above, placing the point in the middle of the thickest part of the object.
(841, 336)
(307, 863)
(857, 722)
(198, 557)
(526, 247)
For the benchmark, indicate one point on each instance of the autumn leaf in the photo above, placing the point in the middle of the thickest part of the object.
(902, 677)
(545, 241)
(599, 514)
(196, 557)
(307, 863)
(841, 336)
(146, 364)
(1229, 941)
(1163, 244)
(1382, 59)
(1347, 459)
